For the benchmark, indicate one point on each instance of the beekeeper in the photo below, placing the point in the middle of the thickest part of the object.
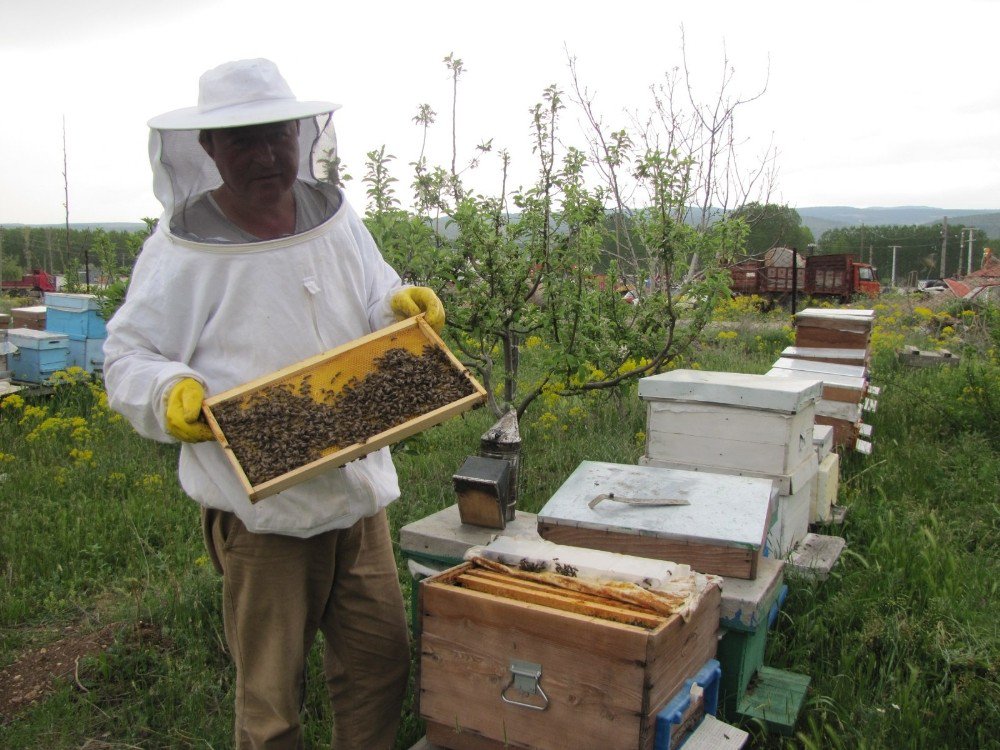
(255, 264)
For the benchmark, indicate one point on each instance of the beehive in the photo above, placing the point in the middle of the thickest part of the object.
(322, 412)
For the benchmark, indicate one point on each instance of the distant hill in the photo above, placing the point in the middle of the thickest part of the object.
(821, 218)
(107, 226)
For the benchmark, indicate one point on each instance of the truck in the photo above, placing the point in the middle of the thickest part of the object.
(839, 275)
(34, 283)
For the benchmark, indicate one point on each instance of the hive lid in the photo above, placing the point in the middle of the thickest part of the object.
(820, 353)
(723, 510)
(840, 312)
(732, 389)
(26, 336)
(841, 381)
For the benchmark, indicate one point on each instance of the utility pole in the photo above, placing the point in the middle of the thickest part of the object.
(894, 249)
(944, 246)
(968, 270)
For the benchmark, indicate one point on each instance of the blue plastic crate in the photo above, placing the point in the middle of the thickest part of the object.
(672, 714)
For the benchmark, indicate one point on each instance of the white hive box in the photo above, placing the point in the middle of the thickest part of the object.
(822, 440)
(721, 530)
(827, 484)
(791, 521)
(727, 420)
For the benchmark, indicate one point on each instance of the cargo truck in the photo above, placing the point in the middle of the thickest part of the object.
(782, 271)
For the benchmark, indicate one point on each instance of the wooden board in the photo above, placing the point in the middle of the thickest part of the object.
(604, 680)
(353, 359)
(721, 530)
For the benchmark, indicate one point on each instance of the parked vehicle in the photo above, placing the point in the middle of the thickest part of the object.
(34, 282)
(782, 271)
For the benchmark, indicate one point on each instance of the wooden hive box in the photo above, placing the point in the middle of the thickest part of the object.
(834, 329)
(589, 683)
(28, 317)
(722, 529)
(856, 357)
(322, 412)
(835, 387)
(729, 420)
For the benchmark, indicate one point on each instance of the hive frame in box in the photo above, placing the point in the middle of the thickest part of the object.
(417, 329)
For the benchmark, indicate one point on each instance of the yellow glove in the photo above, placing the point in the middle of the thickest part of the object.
(184, 412)
(419, 299)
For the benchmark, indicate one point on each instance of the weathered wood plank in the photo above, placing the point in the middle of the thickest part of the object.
(548, 597)
(739, 562)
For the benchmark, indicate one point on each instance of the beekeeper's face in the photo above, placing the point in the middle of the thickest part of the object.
(258, 163)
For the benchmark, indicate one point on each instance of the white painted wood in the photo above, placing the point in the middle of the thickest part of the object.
(856, 385)
(443, 535)
(835, 312)
(865, 430)
(822, 440)
(840, 318)
(713, 734)
(785, 483)
(823, 368)
(729, 511)
(731, 389)
(761, 458)
(729, 422)
(856, 357)
(827, 485)
(792, 521)
(842, 410)
(863, 446)
(746, 603)
(816, 556)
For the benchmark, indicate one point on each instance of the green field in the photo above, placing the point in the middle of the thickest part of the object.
(103, 566)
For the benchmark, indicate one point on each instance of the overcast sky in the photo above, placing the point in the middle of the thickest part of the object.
(868, 103)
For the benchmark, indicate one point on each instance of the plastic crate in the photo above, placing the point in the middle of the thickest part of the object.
(673, 714)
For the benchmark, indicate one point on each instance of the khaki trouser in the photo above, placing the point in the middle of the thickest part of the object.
(277, 592)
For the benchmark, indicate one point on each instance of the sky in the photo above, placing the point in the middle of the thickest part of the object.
(870, 103)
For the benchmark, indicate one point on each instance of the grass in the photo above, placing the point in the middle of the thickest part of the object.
(901, 642)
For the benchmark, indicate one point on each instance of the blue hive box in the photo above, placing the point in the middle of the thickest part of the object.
(38, 355)
(77, 315)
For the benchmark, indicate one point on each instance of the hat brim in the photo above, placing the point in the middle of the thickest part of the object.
(252, 113)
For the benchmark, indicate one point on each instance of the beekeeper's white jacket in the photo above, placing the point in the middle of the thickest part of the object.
(226, 314)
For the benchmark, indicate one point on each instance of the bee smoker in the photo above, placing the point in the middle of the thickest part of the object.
(503, 441)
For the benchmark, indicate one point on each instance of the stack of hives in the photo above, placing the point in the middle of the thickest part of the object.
(732, 423)
(78, 316)
(834, 346)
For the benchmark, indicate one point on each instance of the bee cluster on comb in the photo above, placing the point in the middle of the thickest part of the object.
(281, 427)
